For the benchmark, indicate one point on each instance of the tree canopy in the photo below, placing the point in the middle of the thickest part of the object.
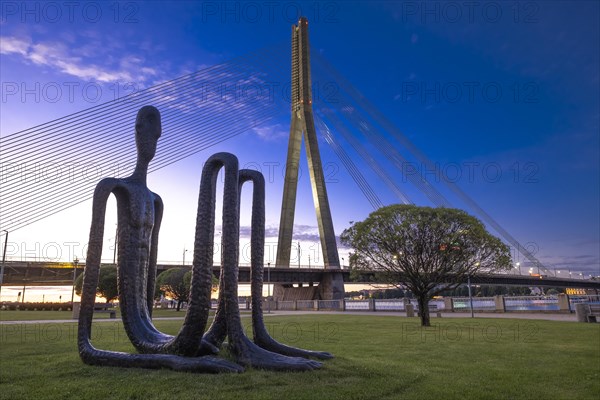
(107, 283)
(174, 283)
(427, 250)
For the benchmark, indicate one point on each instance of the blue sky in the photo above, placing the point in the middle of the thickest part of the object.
(508, 92)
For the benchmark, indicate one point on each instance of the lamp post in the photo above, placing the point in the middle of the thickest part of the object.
(269, 288)
(470, 295)
(115, 248)
(342, 262)
(518, 267)
(298, 254)
(75, 262)
(3, 259)
(184, 251)
(221, 248)
(309, 261)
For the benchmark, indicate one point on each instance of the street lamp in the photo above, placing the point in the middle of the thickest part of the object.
(269, 288)
(75, 262)
(116, 241)
(184, 251)
(518, 267)
(342, 262)
(3, 259)
(470, 295)
(298, 254)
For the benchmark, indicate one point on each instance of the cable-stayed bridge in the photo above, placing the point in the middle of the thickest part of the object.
(214, 105)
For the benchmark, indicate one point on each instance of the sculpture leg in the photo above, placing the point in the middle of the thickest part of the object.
(93, 356)
(243, 349)
(227, 319)
(217, 332)
(257, 245)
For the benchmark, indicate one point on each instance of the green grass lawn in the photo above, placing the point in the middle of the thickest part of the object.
(376, 358)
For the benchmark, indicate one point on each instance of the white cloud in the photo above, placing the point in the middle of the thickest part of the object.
(271, 132)
(10, 45)
(62, 58)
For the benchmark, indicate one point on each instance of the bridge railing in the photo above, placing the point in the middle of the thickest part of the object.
(576, 299)
(389, 305)
(531, 303)
(454, 304)
(479, 304)
(329, 305)
(286, 305)
(356, 305)
(305, 304)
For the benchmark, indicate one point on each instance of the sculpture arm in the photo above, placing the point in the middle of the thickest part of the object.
(93, 258)
(158, 213)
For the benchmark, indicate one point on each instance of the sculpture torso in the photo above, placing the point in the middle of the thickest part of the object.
(138, 218)
(136, 222)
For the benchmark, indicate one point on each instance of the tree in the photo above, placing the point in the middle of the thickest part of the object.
(174, 283)
(107, 283)
(427, 250)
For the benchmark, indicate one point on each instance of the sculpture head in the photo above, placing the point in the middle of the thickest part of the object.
(147, 131)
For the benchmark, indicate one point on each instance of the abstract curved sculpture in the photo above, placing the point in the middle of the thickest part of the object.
(139, 217)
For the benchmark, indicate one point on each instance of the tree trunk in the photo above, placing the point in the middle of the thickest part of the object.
(179, 304)
(423, 301)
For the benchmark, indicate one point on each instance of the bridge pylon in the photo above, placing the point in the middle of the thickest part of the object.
(302, 124)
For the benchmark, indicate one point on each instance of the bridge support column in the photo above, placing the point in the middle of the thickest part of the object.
(582, 311)
(564, 305)
(331, 286)
(500, 305)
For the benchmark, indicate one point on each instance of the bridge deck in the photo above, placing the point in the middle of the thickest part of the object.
(56, 273)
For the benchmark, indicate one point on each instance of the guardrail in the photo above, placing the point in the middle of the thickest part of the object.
(560, 303)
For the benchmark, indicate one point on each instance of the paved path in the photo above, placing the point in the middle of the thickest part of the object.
(534, 316)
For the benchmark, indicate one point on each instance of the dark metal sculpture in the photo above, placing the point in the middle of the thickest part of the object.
(139, 217)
